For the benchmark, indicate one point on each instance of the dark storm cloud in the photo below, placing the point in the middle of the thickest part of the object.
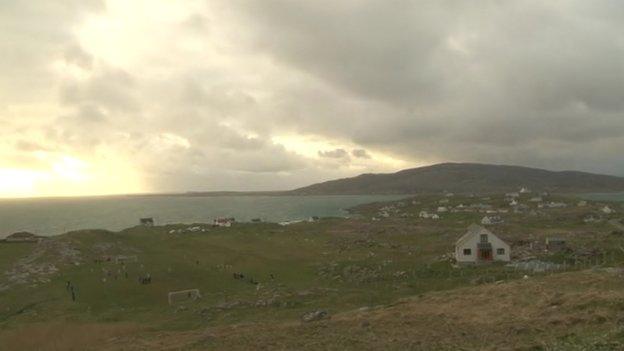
(443, 80)
(336, 153)
(360, 153)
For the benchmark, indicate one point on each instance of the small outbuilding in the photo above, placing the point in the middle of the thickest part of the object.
(555, 244)
(223, 222)
(148, 222)
(479, 245)
(607, 210)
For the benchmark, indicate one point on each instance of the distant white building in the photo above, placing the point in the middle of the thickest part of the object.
(491, 220)
(223, 222)
(582, 203)
(481, 245)
(607, 210)
(427, 215)
(592, 219)
(536, 199)
(442, 209)
(524, 191)
(556, 205)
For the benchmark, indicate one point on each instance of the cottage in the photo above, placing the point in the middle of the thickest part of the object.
(223, 222)
(555, 244)
(607, 210)
(582, 203)
(512, 195)
(147, 222)
(481, 245)
(427, 215)
(491, 220)
(442, 209)
(592, 219)
(536, 199)
(524, 191)
(22, 237)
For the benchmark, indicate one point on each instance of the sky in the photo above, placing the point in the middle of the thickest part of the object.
(118, 96)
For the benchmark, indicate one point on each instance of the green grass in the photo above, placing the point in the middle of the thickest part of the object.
(334, 264)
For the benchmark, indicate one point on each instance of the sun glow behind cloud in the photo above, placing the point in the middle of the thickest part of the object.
(64, 175)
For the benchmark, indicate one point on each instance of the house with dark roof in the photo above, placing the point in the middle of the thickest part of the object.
(479, 245)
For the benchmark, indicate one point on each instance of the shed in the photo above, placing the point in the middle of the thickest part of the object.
(148, 222)
(555, 244)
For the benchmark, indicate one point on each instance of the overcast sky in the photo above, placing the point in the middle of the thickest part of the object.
(119, 96)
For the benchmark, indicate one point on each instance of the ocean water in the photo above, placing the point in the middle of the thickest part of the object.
(55, 216)
(617, 197)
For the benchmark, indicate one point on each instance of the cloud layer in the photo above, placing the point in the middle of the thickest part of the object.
(276, 94)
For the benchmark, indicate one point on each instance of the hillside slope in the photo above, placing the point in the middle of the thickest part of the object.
(467, 178)
(571, 311)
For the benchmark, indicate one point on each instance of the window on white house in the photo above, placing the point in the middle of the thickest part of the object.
(500, 251)
(484, 238)
(467, 252)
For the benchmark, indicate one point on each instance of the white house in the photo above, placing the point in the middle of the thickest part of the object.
(481, 245)
(524, 191)
(492, 220)
(442, 209)
(607, 210)
(223, 222)
(425, 214)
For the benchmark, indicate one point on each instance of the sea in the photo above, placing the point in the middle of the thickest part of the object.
(53, 216)
(615, 197)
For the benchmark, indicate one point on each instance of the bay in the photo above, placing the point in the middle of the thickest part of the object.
(59, 215)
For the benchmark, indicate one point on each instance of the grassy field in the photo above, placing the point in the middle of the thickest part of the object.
(369, 263)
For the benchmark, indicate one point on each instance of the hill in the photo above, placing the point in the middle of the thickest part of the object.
(467, 178)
